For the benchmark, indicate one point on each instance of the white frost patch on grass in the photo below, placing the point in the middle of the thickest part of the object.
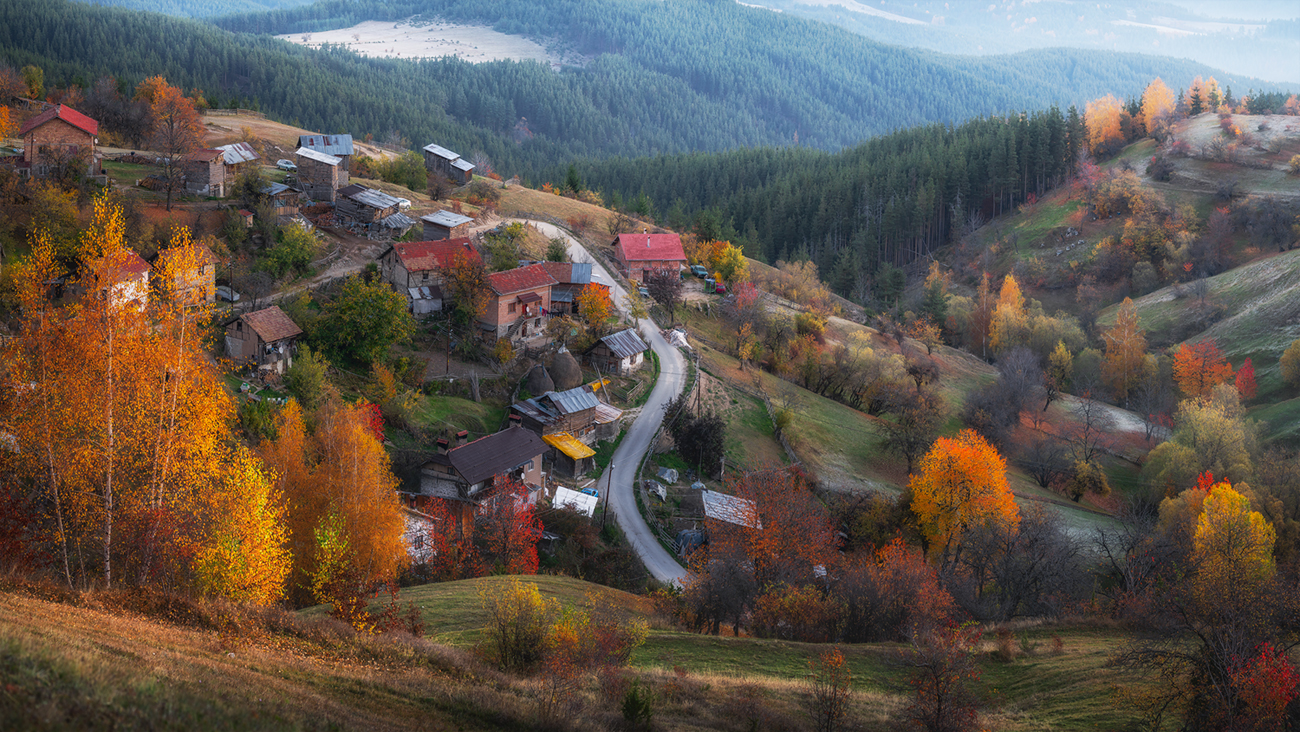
(384, 39)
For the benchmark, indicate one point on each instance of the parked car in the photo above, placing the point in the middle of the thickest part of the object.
(288, 165)
(591, 492)
(699, 271)
(226, 294)
(720, 288)
(403, 203)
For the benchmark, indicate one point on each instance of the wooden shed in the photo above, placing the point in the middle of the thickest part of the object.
(445, 225)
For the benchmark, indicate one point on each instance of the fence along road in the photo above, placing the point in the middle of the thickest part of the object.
(661, 564)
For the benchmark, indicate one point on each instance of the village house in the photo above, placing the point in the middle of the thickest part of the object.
(618, 353)
(194, 273)
(570, 278)
(236, 158)
(265, 338)
(338, 146)
(521, 301)
(445, 225)
(416, 268)
(318, 174)
(465, 475)
(640, 254)
(566, 421)
(283, 199)
(58, 137)
(123, 279)
(205, 173)
(377, 210)
(441, 161)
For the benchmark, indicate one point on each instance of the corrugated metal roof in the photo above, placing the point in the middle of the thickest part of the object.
(430, 292)
(573, 400)
(238, 152)
(398, 221)
(462, 164)
(275, 189)
(581, 273)
(328, 144)
(606, 413)
(446, 218)
(441, 152)
(625, 343)
(569, 445)
(733, 510)
(320, 157)
(370, 197)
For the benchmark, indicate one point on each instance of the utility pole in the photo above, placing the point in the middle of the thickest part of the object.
(609, 486)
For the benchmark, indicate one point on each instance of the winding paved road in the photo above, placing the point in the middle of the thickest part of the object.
(662, 565)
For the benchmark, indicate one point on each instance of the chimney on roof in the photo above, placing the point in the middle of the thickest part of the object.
(462, 437)
(442, 445)
(516, 420)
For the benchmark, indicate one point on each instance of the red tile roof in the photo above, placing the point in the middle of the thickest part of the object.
(127, 263)
(653, 247)
(272, 324)
(522, 278)
(422, 256)
(561, 271)
(67, 114)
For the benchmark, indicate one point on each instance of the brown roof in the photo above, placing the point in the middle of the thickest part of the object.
(651, 247)
(522, 278)
(206, 155)
(496, 454)
(423, 256)
(67, 114)
(272, 324)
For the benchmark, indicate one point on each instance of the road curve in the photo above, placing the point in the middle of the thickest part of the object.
(621, 501)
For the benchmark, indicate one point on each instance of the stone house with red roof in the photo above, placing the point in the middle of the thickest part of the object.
(640, 254)
(57, 137)
(266, 338)
(520, 304)
(416, 269)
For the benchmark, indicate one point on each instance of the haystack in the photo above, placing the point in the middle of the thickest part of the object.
(565, 371)
(539, 382)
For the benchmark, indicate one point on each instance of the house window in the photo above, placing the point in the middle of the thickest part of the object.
(538, 322)
(510, 308)
(239, 326)
(424, 277)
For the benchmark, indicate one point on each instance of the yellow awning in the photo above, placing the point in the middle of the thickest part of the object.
(569, 445)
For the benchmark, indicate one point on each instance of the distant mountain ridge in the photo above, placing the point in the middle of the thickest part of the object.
(666, 78)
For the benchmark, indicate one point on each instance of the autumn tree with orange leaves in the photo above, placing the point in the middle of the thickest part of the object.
(1199, 367)
(1102, 118)
(176, 129)
(123, 430)
(1126, 347)
(960, 485)
(1158, 107)
(595, 306)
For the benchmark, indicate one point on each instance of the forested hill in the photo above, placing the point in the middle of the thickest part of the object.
(663, 78)
(762, 78)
